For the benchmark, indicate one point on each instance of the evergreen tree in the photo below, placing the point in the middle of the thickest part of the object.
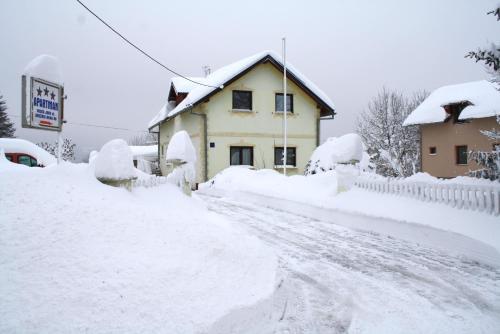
(489, 162)
(6, 126)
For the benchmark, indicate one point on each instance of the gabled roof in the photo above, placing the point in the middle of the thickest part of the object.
(182, 85)
(227, 74)
(483, 96)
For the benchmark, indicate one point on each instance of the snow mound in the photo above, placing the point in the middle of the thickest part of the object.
(45, 67)
(181, 148)
(336, 150)
(88, 258)
(114, 161)
(310, 189)
(483, 95)
(16, 145)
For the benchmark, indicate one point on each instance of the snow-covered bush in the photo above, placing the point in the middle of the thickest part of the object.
(182, 155)
(344, 154)
(347, 149)
(114, 162)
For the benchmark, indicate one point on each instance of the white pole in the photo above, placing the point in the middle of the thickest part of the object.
(284, 106)
(59, 146)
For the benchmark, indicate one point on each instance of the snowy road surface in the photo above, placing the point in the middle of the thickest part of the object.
(337, 279)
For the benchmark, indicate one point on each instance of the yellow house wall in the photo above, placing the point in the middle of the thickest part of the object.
(445, 137)
(193, 125)
(261, 128)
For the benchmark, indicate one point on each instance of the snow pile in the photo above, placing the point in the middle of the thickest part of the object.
(15, 145)
(45, 67)
(181, 148)
(80, 257)
(483, 95)
(310, 189)
(218, 78)
(459, 180)
(114, 161)
(346, 149)
(181, 153)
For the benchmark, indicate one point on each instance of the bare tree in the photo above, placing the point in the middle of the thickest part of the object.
(144, 139)
(68, 149)
(394, 148)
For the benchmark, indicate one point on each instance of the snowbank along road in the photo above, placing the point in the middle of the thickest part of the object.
(337, 279)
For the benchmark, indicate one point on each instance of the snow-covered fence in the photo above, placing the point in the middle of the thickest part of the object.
(152, 181)
(482, 198)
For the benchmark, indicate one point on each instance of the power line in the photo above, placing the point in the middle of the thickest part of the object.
(95, 125)
(140, 50)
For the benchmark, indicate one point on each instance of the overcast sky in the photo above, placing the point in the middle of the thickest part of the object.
(350, 49)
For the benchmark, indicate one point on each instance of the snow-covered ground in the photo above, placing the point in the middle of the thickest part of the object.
(338, 279)
(322, 192)
(77, 256)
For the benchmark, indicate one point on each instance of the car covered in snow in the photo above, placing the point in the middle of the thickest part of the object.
(26, 153)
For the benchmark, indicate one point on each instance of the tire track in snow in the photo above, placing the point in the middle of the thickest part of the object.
(345, 280)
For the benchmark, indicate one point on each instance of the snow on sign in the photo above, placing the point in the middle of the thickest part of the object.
(45, 105)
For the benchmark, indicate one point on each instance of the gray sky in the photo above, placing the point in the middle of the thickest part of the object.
(350, 49)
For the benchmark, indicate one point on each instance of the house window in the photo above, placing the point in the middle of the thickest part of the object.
(278, 102)
(291, 157)
(242, 99)
(241, 155)
(432, 150)
(461, 154)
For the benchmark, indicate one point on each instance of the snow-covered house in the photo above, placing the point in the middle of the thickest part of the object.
(237, 118)
(451, 120)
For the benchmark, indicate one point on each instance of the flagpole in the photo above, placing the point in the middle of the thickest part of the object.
(284, 107)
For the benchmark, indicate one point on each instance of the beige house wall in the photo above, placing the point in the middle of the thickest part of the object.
(193, 125)
(445, 137)
(261, 128)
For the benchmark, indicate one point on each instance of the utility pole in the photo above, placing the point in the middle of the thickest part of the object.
(284, 107)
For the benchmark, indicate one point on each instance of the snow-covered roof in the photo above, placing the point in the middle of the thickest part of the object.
(483, 95)
(181, 85)
(15, 145)
(219, 78)
(144, 151)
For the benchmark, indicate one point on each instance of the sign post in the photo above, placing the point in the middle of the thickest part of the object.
(43, 107)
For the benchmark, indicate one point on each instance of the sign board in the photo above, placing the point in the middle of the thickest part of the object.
(42, 106)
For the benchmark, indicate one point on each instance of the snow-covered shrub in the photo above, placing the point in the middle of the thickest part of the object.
(182, 155)
(345, 155)
(347, 149)
(114, 162)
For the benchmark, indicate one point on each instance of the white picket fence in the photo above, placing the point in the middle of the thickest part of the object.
(470, 197)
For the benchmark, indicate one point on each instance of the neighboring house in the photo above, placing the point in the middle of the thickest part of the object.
(450, 121)
(239, 119)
